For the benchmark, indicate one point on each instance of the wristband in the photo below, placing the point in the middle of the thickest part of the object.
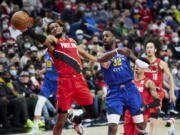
(142, 64)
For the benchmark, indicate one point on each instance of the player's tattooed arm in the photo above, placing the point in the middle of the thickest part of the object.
(105, 57)
(86, 55)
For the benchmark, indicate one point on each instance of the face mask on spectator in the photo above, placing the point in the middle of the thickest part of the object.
(137, 49)
(68, 7)
(79, 37)
(174, 71)
(81, 8)
(13, 72)
(27, 45)
(31, 71)
(94, 8)
(175, 39)
(6, 35)
(5, 26)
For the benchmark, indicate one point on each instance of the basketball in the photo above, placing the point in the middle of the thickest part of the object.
(21, 20)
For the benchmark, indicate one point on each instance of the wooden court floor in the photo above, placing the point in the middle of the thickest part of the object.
(102, 130)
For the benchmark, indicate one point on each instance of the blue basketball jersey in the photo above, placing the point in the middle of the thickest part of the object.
(119, 71)
(51, 72)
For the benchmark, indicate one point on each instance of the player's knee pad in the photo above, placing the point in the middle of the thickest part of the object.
(113, 118)
(138, 118)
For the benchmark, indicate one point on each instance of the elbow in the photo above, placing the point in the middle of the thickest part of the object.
(100, 59)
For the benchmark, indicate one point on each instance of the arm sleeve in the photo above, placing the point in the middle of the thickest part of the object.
(153, 104)
(35, 36)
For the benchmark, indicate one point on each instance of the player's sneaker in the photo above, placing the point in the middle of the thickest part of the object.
(41, 123)
(77, 127)
(34, 131)
(29, 124)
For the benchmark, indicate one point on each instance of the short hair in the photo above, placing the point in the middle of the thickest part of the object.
(60, 22)
(111, 30)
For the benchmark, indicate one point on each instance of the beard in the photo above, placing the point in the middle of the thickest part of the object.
(107, 46)
(59, 35)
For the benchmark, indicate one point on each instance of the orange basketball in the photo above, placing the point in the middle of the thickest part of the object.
(21, 20)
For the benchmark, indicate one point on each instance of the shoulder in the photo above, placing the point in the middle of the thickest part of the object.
(163, 64)
(72, 40)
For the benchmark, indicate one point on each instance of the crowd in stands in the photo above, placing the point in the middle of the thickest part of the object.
(22, 64)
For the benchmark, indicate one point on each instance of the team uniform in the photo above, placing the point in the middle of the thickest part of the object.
(71, 83)
(129, 126)
(121, 91)
(49, 85)
(157, 77)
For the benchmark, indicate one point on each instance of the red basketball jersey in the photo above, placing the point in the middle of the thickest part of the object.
(156, 74)
(145, 94)
(66, 57)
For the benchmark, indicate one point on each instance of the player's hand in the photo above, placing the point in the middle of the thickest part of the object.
(172, 97)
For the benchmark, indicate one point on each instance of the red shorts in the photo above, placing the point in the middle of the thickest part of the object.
(130, 126)
(72, 88)
(161, 97)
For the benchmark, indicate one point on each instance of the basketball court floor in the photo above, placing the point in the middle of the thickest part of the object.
(102, 130)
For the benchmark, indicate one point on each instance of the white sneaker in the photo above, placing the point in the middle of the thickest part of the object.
(77, 127)
(34, 131)
(174, 111)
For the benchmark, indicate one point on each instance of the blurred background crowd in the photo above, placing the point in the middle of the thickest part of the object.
(22, 63)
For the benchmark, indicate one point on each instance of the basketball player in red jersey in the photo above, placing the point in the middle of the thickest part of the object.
(150, 98)
(71, 83)
(152, 48)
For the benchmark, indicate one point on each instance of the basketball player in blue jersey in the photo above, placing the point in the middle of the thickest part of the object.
(119, 75)
(49, 86)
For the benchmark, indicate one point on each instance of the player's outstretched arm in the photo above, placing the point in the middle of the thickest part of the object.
(108, 55)
(165, 67)
(125, 51)
(48, 41)
(86, 55)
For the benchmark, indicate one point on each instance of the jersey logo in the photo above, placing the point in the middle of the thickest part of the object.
(117, 62)
(68, 45)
